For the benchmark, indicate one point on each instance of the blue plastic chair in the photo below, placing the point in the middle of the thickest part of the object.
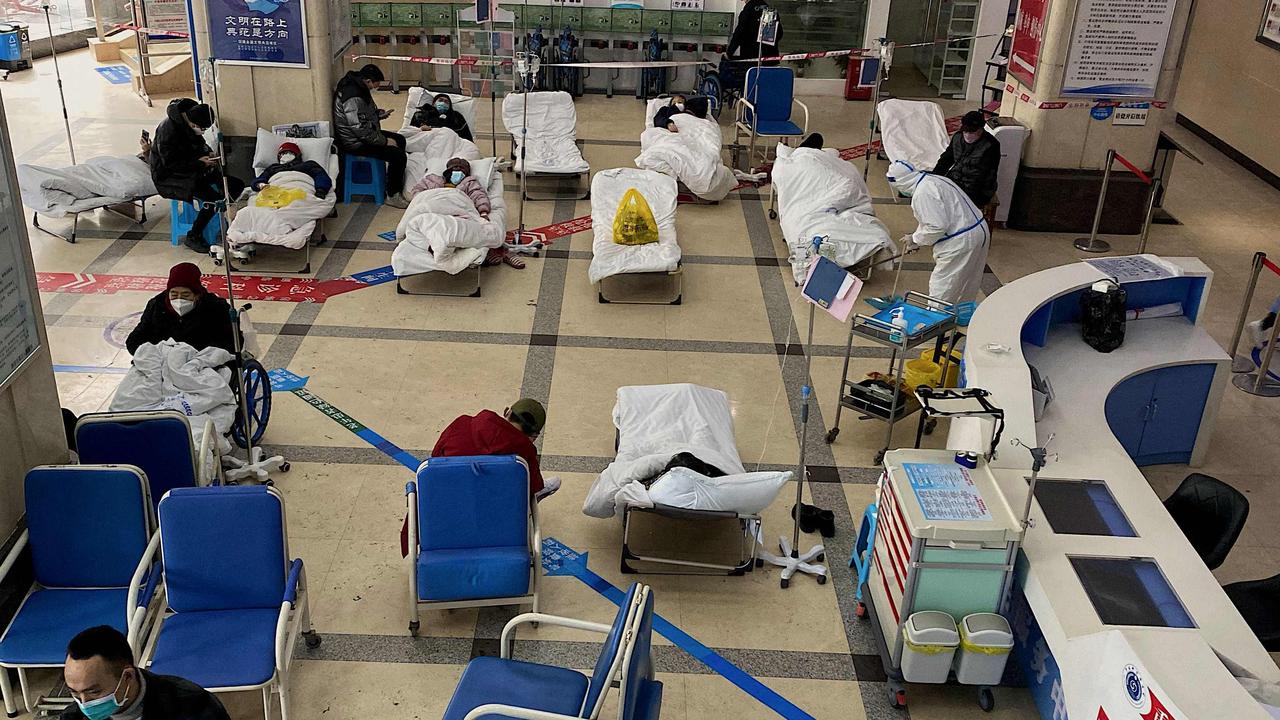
(88, 528)
(182, 215)
(158, 442)
(860, 560)
(765, 108)
(473, 534)
(363, 176)
(235, 603)
(501, 687)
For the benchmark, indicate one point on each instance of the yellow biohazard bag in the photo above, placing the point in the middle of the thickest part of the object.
(277, 197)
(634, 223)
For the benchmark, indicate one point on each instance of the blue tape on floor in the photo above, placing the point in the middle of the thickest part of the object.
(376, 276)
(560, 559)
(114, 74)
(389, 236)
(90, 369)
(284, 381)
(390, 449)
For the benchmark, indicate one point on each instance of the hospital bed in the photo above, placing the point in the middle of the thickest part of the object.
(429, 150)
(438, 254)
(693, 155)
(645, 274)
(666, 437)
(101, 182)
(544, 140)
(464, 104)
(913, 131)
(293, 227)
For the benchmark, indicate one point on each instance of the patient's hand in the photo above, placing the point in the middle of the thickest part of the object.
(672, 127)
(424, 128)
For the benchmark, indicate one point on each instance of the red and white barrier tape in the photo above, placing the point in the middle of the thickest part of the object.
(152, 31)
(811, 55)
(1076, 104)
(1271, 266)
(469, 60)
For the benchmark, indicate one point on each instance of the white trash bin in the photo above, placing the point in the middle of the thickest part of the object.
(929, 645)
(985, 642)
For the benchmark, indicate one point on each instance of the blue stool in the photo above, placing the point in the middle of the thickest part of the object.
(182, 215)
(363, 176)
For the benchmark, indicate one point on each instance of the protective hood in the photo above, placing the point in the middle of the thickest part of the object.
(903, 177)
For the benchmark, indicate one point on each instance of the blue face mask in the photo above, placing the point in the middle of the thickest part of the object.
(103, 707)
(442, 107)
(456, 177)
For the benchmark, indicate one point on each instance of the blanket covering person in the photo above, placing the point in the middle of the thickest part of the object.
(283, 212)
(464, 181)
(184, 312)
(691, 154)
(289, 158)
(442, 230)
(172, 375)
(430, 151)
(972, 159)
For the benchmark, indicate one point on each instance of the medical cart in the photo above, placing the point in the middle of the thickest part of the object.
(945, 540)
(926, 319)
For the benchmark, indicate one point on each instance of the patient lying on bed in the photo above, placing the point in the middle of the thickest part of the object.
(291, 196)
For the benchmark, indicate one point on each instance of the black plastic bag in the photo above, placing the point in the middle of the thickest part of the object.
(1102, 315)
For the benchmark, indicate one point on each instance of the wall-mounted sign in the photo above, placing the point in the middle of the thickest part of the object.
(170, 15)
(1117, 48)
(1131, 114)
(258, 32)
(1269, 30)
(1028, 36)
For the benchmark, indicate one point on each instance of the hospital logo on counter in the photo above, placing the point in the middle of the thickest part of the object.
(1134, 688)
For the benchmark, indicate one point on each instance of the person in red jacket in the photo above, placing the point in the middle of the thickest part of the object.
(511, 433)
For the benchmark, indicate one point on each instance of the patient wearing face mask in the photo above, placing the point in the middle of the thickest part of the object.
(662, 119)
(457, 174)
(439, 113)
(289, 159)
(186, 312)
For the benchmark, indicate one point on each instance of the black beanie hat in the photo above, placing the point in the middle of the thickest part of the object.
(201, 115)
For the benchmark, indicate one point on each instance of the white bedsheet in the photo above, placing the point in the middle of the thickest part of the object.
(96, 182)
(290, 226)
(657, 422)
(552, 125)
(429, 150)
(691, 155)
(609, 258)
(821, 195)
(174, 376)
(913, 131)
(441, 230)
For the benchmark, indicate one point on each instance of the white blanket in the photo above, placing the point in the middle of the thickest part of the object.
(552, 125)
(691, 155)
(173, 376)
(290, 226)
(913, 131)
(657, 422)
(429, 150)
(96, 182)
(441, 231)
(820, 195)
(609, 258)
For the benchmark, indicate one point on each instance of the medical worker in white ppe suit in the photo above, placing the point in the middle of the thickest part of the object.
(952, 225)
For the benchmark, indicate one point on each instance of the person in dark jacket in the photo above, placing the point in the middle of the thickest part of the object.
(289, 159)
(972, 160)
(439, 113)
(105, 683)
(742, 44)
(185, 312)
(662, 118)
(357, 122)
(184, 168)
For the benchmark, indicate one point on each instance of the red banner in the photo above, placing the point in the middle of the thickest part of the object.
(1028, 36)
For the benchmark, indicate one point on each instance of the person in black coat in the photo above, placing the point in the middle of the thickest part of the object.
(104, 682)
(440, 114)
(972, 160)
(662, 118)
(184, 168)
(742, 44)
(185, 312)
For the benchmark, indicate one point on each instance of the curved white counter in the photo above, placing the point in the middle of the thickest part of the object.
(1180, 665)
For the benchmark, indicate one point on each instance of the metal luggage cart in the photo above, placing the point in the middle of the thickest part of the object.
(928, 319)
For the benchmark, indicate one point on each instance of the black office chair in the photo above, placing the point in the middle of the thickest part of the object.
(1258, 602)
(1210, 513)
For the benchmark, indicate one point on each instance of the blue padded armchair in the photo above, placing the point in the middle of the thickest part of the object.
(504, 688)
(236, 604)
(90, 529)
(473, 535)
(766, 106)
(157, 441)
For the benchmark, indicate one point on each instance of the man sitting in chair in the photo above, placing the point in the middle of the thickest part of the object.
(105, 683)
(511, 433)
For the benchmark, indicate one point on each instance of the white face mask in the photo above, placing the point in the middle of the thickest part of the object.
(287, 157)
(181, 306)
(680, 106)
(972, 137)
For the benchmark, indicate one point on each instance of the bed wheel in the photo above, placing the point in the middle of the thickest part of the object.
(312, 639)
(822, 579)
(413, 628)
(822, 557)
(986, 699)
(785, 583)
(773, 214)
(759, 562)
(284, 466)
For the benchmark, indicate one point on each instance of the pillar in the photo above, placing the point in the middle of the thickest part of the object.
(1060, 177)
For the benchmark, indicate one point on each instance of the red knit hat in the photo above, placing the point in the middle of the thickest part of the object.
(185, 275)
(290, 147)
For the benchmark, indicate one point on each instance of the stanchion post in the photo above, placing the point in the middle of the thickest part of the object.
(1151, 210)
(1244, 364)
(1092, 243)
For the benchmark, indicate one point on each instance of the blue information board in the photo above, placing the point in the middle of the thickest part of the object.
(946, 492)
(258, 32)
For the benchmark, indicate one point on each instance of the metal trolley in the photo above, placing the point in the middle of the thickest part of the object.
(928, 319)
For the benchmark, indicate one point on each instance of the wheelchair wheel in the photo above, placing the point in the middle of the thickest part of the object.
(710, 86)
(257, 387)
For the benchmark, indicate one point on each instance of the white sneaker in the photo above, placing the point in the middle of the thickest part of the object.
(549, 487)
(396, 201)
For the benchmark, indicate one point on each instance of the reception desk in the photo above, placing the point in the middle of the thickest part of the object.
(1115, 614)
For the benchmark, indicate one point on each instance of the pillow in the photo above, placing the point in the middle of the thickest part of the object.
(269, 144)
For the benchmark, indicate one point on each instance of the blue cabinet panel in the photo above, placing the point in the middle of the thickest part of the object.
(1176, 408)
(1127, 408)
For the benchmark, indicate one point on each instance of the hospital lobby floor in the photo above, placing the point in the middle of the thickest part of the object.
(405, 366)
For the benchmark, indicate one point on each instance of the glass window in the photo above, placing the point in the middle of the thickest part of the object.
(816, 26)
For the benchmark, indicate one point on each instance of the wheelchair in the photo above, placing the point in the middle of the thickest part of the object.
(722, 84)
(257, 388)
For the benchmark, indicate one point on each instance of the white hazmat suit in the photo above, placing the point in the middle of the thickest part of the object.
(952, 224)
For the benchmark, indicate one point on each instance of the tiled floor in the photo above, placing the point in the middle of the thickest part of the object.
(407, 365)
